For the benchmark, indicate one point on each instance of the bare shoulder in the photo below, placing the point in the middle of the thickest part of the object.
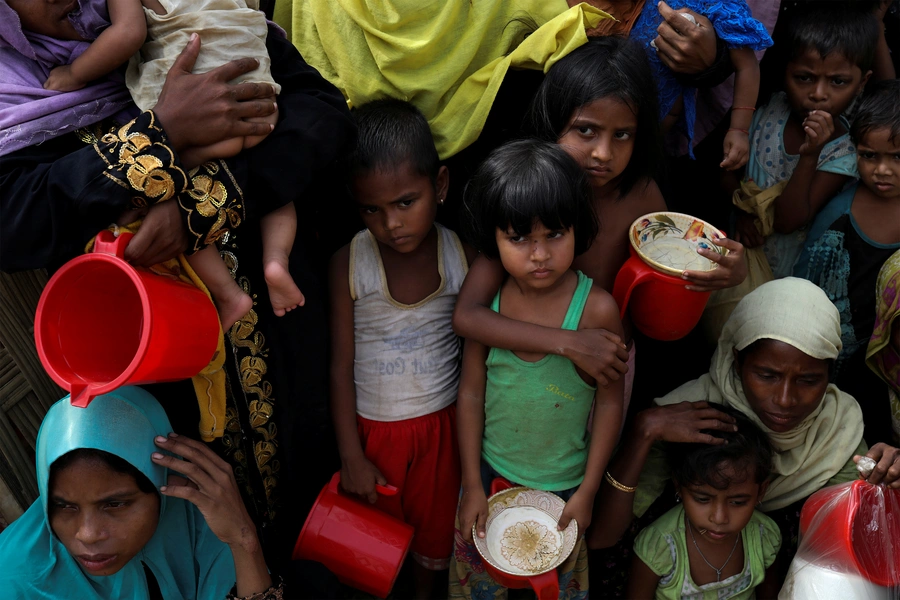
(471, 253)
(645, 197)
(601, 312)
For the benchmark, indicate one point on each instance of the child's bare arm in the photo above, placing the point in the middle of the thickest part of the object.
(642, 582)
(600, 311)
(601, 354)
(808, 189)
(113, 47)
(358, 474)
(470, 427)
(746, 89)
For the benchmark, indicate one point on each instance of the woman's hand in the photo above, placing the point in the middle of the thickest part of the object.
(579, 507)
(162, 236)
(684, 422)
(211, 488)
(887, 467)
(199, 110)
(681, 45)
(599, 353)
(819, 127)
(360, 477)
(473, 508)
(732, 269)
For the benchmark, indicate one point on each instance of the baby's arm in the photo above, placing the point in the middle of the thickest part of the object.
(358, 474)
(601, 354)
(746, 89)
(470, 427)
(113, 47)
(600, 311)
(642, 581)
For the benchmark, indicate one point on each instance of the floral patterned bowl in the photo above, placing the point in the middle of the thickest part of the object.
(668, 242)
(521, 535)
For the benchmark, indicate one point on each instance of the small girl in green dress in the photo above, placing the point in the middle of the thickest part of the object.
(714, 544)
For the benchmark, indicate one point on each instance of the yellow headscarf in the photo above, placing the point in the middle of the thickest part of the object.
(798, 313)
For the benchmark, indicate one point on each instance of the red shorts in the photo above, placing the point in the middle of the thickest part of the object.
(420, 457)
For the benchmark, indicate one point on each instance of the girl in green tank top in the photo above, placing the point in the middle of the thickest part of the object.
(526, 415)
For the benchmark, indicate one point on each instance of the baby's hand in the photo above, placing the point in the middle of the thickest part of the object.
(819, 127)
(737, 150)
(579, 507)
(62, 80)
(473, 509)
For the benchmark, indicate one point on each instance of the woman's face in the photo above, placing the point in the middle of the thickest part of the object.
(100, 515)
(782, 384)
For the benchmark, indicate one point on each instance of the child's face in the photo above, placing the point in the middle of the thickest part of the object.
(399, 206)
(600, 136)
(720, 515)
(815, 83)
(47, 17)
(878, 161)
(537, 260)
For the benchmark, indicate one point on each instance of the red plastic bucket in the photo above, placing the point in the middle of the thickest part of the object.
(659, 304)
(102, 323)
(361, 545)
(854, 532)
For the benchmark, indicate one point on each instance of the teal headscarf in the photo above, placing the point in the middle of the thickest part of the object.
(186, 558)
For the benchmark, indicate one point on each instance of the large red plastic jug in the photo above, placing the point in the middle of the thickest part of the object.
(102, 323)
(649, 285)
(854, 530)
(361, 545)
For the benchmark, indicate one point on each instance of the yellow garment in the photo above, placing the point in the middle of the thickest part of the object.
(881, 357)
(446, 58)
(798, 313)
(760, 204)
(209, 384)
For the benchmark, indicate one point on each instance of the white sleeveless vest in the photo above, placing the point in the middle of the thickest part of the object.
(407, 357)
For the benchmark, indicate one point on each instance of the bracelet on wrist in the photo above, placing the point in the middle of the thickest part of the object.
(628, 489)
(750, 108)
(744, 131)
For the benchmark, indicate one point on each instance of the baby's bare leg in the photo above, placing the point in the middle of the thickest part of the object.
(154, 5)
(230, 299)
(278, 230)
(252, 140)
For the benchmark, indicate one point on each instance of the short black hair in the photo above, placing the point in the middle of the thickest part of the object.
(524, 181)
(747, 451)
(113, 462)
(605, 67)
(392, 132)
(840, 27)
(879, 109)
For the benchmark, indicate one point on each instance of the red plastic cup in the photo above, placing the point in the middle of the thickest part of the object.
(361, 545)
(659, 304)
(101, 323)
(855, 532)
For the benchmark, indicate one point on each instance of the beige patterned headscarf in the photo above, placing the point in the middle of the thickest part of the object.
(798, 313)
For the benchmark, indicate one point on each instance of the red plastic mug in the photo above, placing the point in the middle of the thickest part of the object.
(545, 585)
(361, 545)
(855, 531)
(102, 323)
(660, 305)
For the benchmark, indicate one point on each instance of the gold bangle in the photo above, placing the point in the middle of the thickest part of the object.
(628, 489)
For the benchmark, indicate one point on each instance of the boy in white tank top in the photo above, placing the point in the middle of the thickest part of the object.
(394, 356)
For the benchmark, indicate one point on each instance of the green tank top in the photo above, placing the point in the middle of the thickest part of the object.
(536, 413)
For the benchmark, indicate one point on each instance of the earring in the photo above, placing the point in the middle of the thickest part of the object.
(441, 200)
(677, 497)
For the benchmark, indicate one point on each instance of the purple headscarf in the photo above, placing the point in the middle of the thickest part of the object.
(29, 114)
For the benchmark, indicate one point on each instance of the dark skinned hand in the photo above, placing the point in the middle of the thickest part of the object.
(199, 110)
(681, 45)
(162, 236)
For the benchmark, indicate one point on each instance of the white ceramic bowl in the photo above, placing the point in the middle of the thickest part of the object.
(521, 537)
